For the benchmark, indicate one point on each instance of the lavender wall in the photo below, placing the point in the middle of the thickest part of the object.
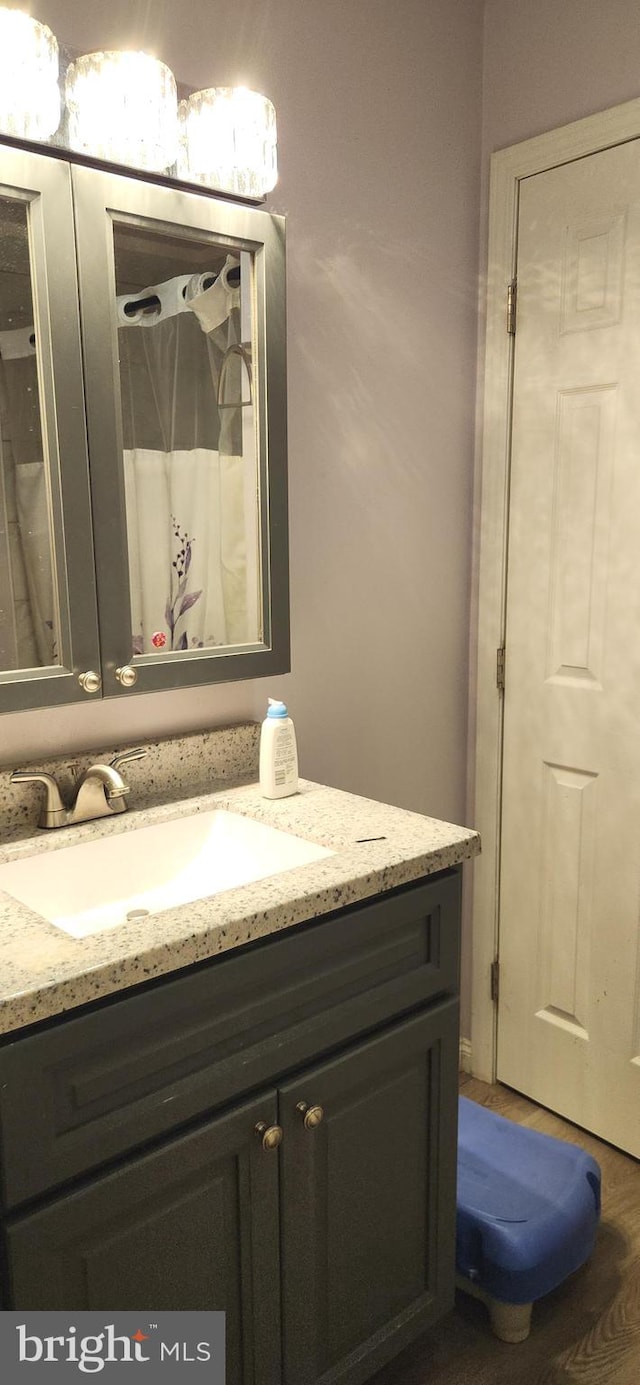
(379, 121)
(551, 62)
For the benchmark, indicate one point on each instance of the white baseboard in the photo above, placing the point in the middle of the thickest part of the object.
(465, 1055)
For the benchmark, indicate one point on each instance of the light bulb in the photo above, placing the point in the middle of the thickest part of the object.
(29, 91)
(229, 141)
(123, 107)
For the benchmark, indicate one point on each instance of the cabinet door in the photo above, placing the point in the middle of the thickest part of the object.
(182, 302)
(368, 1201)
(48, 619)
(191, 1226)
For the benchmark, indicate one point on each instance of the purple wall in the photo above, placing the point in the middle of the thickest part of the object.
(379, 121)
(553, 61)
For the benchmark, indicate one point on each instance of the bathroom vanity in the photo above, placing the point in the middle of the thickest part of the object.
(246, 1103)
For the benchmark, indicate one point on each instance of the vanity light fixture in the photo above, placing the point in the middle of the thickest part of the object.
(229, 141)
(29, 90)
(123, 107)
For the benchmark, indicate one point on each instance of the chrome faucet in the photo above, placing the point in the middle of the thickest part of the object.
(101, 792)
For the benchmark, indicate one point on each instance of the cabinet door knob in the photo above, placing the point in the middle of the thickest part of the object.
(271, 1135)
(90, 682)
(311, 1115)
(127, 676)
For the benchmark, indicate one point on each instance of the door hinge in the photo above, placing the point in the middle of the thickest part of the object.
(512, 293)
(495, 981)
(500, 658)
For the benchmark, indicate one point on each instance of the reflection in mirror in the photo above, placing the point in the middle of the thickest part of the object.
(28, 619)
(185, 341)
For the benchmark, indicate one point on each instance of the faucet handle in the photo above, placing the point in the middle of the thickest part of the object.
(54, 813)
(121, 759)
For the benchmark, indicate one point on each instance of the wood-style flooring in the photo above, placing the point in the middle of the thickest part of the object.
(587, 1332)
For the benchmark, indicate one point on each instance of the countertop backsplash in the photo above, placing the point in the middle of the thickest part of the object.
(176, 768)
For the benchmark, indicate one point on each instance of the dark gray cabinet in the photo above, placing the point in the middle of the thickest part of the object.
(330, 1251)
(192, 1225)
(366, 1200)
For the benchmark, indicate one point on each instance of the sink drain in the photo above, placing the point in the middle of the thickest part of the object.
(135, 915)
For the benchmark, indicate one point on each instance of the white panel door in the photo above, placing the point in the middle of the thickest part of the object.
(569, 1013)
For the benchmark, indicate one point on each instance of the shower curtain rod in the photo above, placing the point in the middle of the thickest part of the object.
(21, 341)
(142, 304)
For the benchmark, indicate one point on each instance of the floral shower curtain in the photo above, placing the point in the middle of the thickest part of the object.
(184, 471)
(185, 516)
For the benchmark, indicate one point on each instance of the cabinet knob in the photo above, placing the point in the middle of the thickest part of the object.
(127, 676)
(311, 1115)
(90, 682)
(271, 1135)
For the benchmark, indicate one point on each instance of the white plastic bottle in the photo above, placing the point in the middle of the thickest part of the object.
(278, 753)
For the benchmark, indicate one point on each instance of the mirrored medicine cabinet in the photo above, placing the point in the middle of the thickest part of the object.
(143, 490)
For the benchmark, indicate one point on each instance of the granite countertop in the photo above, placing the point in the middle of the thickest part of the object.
(45, 972)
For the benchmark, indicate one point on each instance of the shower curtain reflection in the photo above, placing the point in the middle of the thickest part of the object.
(188, 487)
(190, 478)
(28, 637)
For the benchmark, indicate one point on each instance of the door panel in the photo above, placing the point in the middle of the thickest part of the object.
(570, 878)
(368, 1201)
(192, 1226)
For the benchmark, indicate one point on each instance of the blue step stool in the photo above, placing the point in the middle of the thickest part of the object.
(527, 1214)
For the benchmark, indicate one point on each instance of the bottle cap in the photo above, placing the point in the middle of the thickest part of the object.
(276, 709)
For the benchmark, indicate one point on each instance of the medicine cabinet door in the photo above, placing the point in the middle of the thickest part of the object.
(48, 621)
(182, 302)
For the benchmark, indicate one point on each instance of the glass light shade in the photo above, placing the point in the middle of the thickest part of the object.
(123, 107)
(229, 141)
(29, 91)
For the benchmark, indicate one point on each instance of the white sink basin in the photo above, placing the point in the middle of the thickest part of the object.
(90, 886)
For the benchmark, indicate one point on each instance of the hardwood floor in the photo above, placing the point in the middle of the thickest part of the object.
(587, 1332)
